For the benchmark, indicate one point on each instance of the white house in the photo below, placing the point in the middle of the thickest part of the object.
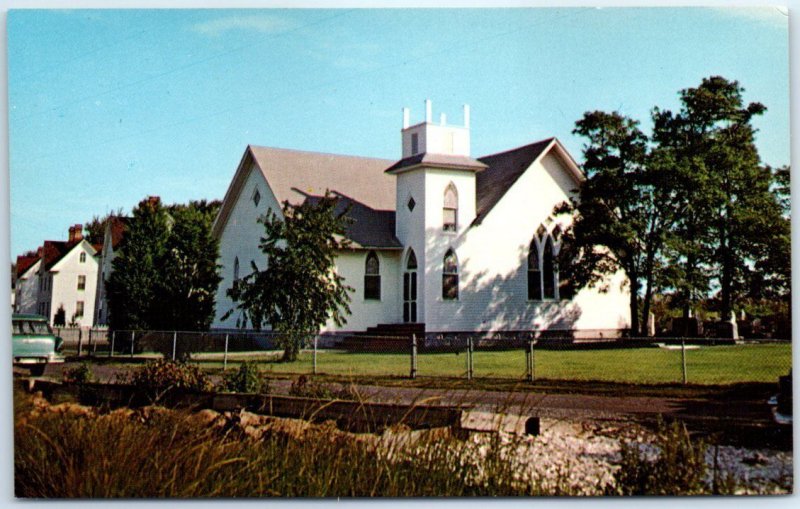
(440, 239)
(113, 237)
(26, 287)
(62, 275)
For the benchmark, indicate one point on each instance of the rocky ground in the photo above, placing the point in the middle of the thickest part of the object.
(568, 456)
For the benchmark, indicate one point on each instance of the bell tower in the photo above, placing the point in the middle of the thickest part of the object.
(435, 202)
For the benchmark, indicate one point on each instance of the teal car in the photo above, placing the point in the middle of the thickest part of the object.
(34, 344)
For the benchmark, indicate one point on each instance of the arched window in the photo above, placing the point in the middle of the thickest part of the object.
(543, 278)
(450, 276)
(410, 289)
(548, 269)
(450, 209)
(411, 264)
(236, 269)
(534, 273)
(372, 277)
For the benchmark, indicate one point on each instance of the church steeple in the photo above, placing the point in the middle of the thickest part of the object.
(432, 138)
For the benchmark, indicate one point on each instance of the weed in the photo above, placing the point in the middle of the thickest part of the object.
(247, 378)
(673, 464)
(306, 388)
(80, 374)
(158, 377)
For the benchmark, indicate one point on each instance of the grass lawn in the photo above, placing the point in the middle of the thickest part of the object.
(706, 365)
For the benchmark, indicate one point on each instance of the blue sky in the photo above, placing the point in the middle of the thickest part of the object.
(107, 107)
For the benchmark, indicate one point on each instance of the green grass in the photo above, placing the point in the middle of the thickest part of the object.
(706, 365)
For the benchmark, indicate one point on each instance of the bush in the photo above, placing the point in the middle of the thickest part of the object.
(675, 466)
(161, 376)
(303, 387)
(247, 378)
(80, 374)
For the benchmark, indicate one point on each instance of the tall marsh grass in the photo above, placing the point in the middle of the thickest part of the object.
(176, 454)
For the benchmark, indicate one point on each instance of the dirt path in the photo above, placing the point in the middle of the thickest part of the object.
(747, 417)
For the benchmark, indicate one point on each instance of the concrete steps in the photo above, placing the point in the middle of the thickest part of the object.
(385, 337)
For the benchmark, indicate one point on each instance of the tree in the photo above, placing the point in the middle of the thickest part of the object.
(619, 219)
(190, 274)
(95, 229)
(299, 290)
(131, 287)
(728, 211)
(60, 318)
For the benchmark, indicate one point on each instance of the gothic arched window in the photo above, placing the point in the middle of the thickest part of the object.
(450, 276)
(450, 209)
(543, 278)
(372, 277)
(534, 273)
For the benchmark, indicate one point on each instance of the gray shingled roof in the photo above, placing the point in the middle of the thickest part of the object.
(503, 170)
(368, 187)
(360, 183)
(439, 160)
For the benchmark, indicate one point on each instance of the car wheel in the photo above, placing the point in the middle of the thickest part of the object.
(38, 369)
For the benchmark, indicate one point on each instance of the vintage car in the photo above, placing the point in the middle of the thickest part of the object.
(34, 344)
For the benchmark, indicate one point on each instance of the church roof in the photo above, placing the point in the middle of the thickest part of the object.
(296, 176)
(438, 160)
(368, 187)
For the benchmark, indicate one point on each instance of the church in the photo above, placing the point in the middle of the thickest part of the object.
(440, 241)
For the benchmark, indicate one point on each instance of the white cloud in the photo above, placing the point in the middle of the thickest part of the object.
(255, 22)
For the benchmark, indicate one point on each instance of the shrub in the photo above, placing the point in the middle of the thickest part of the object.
(80, 374)
(674, 466)
(304, 387)
(161, 376)
(247, 378)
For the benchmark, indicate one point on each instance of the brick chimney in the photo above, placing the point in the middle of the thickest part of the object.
(75, 233)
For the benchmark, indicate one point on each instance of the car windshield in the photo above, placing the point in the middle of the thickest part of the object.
(31, 327)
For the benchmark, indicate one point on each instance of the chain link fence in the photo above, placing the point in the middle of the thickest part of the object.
(630, 360)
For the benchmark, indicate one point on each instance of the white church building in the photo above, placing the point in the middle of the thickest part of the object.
(451, 243)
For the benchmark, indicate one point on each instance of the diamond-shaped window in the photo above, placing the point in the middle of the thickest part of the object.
(411, 204)
(256, 197)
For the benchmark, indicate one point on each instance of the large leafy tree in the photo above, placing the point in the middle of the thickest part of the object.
(299, 290)
(619, 218)
(165, 275)
(190, 274)
(131, 287)
(95, 229)
(728, 211)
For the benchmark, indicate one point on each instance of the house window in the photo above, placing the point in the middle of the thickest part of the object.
(256, 197)
(411, 204)
(83, 258)
(450, 276)
(372, 277)
(236, 269)
(543, 279)
(79, 309)
(414, 143)
(450, 209)
(81, 282)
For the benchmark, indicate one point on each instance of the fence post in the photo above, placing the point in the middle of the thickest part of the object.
(91, 344)
(315, 355)
(533, 361)
(80, 342)
(469, 358)
(174, 343)
(113, 337)
(133, 339)
(413, 356)
(225, 355)
(528, 361)
(683, 359)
